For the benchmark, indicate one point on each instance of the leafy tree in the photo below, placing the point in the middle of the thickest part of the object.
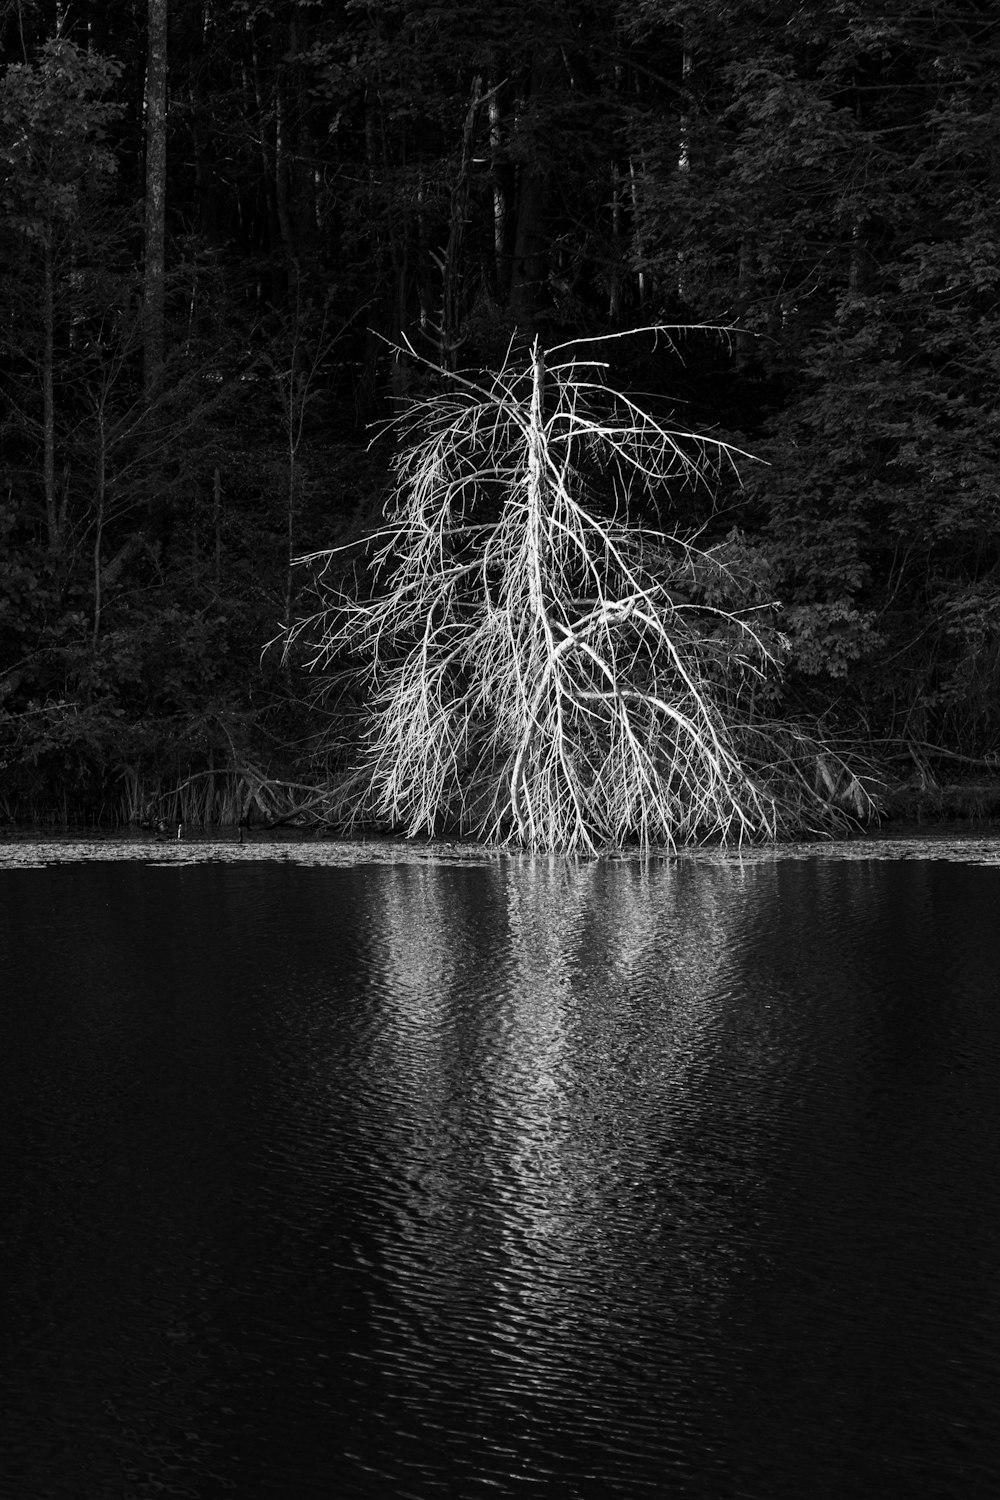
(110, 630)
(57, 170)
(441, 178)
(838, 204)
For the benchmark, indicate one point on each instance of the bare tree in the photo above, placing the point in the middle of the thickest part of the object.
(537, 666)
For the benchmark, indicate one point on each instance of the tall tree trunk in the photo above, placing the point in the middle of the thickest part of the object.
(637, 175)
(101, 489)
(156, 195)
(269, 215)
(206, 176)
(503, 190)
(684, 142)
(529, 272)
(49, 398)
(449, 261)
(744, 341)
(305, 175)
(425, 258)
(282, 166)
(530, 259)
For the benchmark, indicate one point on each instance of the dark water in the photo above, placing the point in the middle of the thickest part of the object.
(511, 1180)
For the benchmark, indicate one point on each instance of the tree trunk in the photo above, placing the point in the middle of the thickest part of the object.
(101, 497)
(305, 158)
(684, 145)
(503, 185)
(529, 269)
(449, 260)
(49, 400)
(282, 171)
(269, 212)
(156, 196)
(744, 341)
(207, 181)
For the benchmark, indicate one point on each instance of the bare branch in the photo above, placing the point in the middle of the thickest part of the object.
(536, 667)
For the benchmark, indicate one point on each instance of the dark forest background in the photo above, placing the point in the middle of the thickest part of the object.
(221, 219)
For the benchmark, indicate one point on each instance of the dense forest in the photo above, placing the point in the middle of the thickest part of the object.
(237, 237)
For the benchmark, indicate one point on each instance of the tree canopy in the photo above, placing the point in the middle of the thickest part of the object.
(361, 198)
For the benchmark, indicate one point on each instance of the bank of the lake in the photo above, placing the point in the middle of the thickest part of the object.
(952, 839)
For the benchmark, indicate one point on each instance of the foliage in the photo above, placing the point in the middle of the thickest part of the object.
(353, 187)
(54, 116)
(839, 198)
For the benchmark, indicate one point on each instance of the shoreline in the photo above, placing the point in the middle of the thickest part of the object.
(977, 842)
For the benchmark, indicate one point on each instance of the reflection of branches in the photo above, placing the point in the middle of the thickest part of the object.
(537, 667)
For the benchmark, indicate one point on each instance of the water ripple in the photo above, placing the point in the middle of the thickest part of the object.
(521, 1176)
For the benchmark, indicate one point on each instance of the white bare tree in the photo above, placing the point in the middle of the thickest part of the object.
(537, 667)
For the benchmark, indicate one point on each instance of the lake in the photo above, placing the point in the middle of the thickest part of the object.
(370, 1173)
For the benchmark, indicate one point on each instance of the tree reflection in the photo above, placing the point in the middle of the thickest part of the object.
(543, 1090)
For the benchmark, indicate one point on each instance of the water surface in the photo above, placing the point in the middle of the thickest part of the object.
(500, 1178)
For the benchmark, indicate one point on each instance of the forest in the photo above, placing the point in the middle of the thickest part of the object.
(252, 252)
